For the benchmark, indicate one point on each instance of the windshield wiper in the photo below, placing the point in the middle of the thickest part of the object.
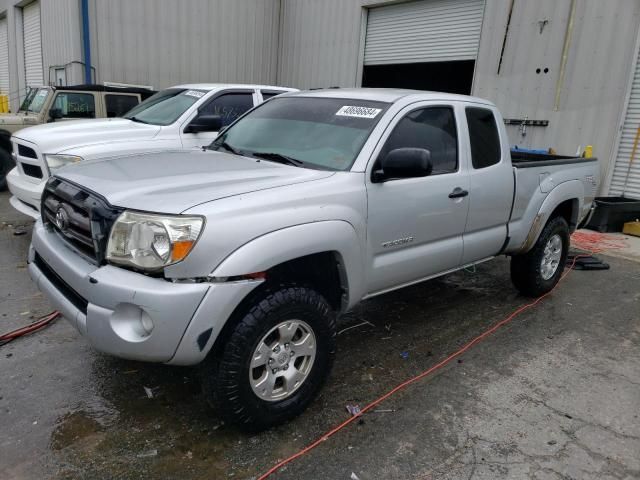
(228, 148)
(278, 157)
(134, 119)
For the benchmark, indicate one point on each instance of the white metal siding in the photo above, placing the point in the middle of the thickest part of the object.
(62, 29)
(168, 42)
(319, 43)
(598, 70)
(626, 173)
(4, 57)
(32, 44)
(424, 31)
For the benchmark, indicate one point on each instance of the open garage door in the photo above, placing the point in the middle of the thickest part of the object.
(427, 45)
(4, 57)
(32, 45)
(626, 171)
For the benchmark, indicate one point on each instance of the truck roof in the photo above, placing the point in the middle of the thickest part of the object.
(216, 86)
(145, 92)
(389, 95)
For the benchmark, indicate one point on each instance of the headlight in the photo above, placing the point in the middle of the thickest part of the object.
(150, 242)
(58, 161)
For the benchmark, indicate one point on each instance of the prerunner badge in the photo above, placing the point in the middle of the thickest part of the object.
(359, 112)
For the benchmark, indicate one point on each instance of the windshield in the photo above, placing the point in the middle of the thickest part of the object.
(165, 107)
(316, 132)
(35, 100)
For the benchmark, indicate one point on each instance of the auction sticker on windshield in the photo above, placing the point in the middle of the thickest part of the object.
(194, 93)
(359, 112)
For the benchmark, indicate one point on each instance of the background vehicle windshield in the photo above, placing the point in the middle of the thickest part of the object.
(165, 107)
(325, 132)
(35, 99)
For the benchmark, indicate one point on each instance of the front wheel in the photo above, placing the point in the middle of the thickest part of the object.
(539, 270)
(275, 360)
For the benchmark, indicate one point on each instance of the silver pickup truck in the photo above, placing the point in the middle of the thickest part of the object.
(240, 257)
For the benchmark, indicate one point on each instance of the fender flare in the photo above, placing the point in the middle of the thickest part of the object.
(570, 190)
(274, 248)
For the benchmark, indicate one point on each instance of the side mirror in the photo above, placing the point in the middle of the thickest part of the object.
(404, 163)
(204, 123)
(55, 114)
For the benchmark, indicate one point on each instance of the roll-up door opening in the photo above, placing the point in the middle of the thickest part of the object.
(450, 77)
(424, 45)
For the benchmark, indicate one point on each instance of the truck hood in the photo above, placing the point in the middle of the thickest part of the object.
(59, 137)
(172, 182)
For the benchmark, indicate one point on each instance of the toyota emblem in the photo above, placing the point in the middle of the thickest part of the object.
(62, 219)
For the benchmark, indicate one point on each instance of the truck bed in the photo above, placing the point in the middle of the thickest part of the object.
(536, 175)
(521, 159)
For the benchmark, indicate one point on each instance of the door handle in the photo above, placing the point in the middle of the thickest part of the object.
(458, 193)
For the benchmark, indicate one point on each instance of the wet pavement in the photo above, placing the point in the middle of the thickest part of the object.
(553, 395)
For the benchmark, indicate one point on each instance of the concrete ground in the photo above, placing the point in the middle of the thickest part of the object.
(553, 395)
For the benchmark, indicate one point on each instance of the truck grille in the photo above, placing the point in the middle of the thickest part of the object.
(82, 218)
(25, 151)
(32, 170)
(30, 164)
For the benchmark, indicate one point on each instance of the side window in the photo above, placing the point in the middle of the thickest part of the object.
(75, 105)
(229, 106)
(118, 105)
(432, 128)
(267, 94)
(483, 136)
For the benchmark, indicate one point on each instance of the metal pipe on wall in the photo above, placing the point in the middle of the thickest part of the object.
(86, 41)
(565, 54)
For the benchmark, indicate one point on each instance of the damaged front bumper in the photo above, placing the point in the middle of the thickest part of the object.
(127, 314)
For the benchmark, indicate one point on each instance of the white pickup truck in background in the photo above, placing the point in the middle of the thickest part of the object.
(180, 117)
(48, 104)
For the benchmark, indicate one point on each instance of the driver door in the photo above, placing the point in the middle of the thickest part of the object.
(228, 105)
(416, 225)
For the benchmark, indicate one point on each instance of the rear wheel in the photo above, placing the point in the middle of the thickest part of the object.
(539, 270)
(275, 360)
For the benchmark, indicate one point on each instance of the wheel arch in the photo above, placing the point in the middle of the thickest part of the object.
(324, 255)
(307, 246)
(564, 200)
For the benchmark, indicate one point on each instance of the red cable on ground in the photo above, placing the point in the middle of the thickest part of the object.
(590, 242)
(35, 326)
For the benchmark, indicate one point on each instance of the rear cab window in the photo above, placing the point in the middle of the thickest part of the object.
(267, 94)
(119, 104)
(484, 138)
(75, 104)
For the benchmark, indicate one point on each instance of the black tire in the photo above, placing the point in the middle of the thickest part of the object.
(526, 270)
(6, 164)
(225, 373)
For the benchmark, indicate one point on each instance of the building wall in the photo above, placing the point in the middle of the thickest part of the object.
(61, 39)
(320, 43)
(167, 42)
(597, 71)
(60, 26)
